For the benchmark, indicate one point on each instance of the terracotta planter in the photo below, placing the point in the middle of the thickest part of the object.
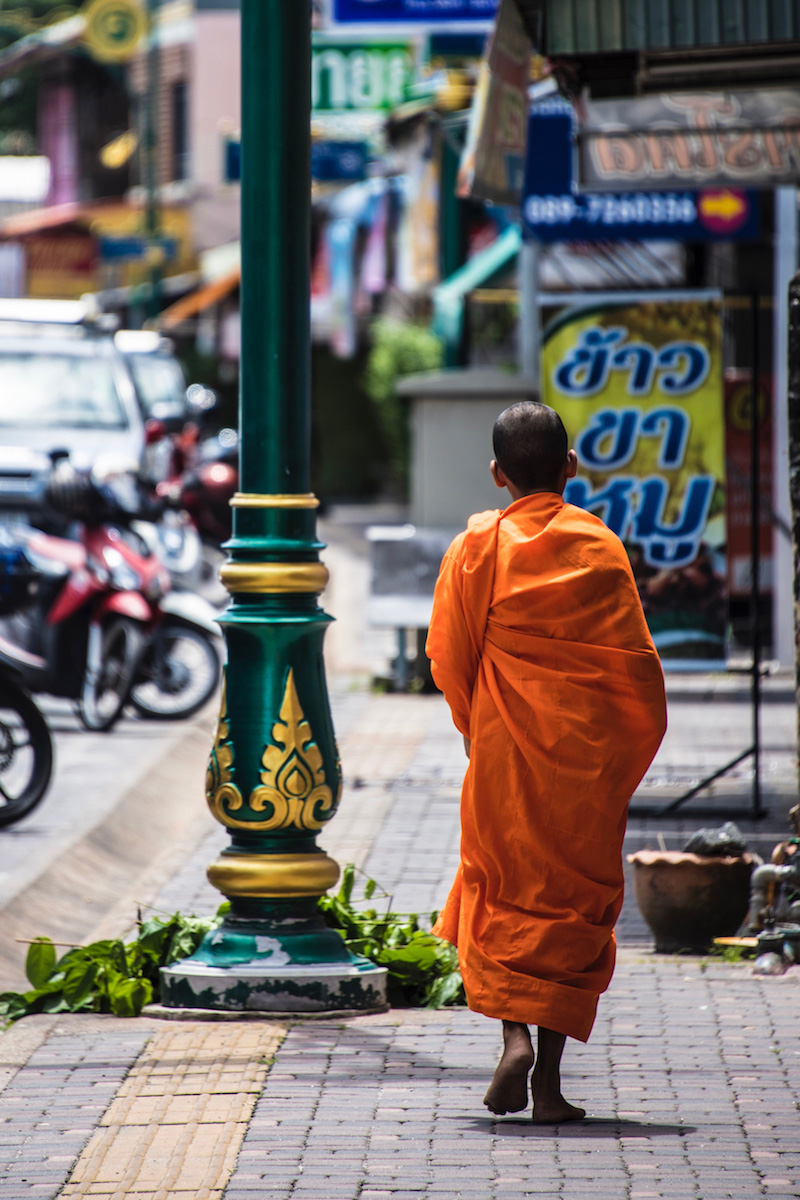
(689, 899)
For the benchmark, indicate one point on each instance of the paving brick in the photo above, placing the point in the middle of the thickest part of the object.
(691, 1076)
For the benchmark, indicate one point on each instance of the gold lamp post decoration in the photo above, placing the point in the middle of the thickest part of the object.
(293, 789)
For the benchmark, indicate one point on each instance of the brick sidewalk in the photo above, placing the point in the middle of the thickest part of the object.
(691, 1078)
(691, 1082)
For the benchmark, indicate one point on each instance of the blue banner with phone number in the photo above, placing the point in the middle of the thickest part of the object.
(553, 210)
(371, 12)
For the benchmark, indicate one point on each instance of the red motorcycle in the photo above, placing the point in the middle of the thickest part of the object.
(203, 478)
(82, 636)
(101, 625)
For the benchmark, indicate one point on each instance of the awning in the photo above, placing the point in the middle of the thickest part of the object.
(448, 297)
(36, 220)
(603, 26)
(199, 300)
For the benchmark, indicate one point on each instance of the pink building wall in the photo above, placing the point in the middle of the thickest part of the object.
(214, 110)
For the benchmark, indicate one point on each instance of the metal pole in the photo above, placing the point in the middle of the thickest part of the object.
(155, 253)
(530, 317)
(755, 549)
(785, 262)
(274, 778)
(451, 232)
(793, 406)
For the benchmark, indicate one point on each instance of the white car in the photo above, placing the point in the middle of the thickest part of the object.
(68, 387)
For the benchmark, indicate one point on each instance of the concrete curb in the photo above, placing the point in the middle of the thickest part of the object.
(92, 890)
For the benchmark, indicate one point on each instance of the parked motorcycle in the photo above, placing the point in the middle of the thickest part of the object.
(172, 536)
(104, 626)
(208, 484)
(26, 748)
(26, 751)
(203, 480)
(180, 668)
(203, 468)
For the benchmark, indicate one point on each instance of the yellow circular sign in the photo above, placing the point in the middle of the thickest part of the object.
(114, 28)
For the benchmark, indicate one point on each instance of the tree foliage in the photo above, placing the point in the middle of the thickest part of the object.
(21, 17)
(18, 92)
(399, 348)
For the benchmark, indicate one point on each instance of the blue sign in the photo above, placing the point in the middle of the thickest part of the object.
(333, 162)
(133, 246)
(554, 211)
(421, 12)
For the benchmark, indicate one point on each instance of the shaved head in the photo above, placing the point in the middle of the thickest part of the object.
(530, 446)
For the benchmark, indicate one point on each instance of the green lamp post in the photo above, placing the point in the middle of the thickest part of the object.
(155, 252)
(274, 777)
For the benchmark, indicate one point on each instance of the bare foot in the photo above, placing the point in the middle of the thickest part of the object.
(550, 1108)
(508, 1091)
(555, 1112)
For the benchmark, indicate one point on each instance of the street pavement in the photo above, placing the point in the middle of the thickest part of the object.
(691, 1078)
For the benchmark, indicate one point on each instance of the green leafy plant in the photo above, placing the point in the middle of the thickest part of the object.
(108, 976)
(422, 969)
(116, 977)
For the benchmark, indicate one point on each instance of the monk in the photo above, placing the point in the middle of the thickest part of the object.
(539, 643)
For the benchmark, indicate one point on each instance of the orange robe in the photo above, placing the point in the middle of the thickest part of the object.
(539, 643)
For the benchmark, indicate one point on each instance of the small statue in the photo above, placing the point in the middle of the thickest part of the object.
(775, 886)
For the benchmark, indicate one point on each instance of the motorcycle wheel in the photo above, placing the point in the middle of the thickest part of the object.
(104, 697)
(178, 674)
(26, 753)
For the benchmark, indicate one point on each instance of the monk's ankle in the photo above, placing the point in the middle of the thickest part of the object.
(517, 1038)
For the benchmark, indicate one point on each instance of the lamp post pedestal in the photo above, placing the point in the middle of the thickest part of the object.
(274, 777)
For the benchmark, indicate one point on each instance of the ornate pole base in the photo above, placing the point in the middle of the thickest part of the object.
(270, 986)
(274, 954)
(278, 965)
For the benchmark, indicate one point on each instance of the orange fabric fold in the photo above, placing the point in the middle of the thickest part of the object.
(539, 643)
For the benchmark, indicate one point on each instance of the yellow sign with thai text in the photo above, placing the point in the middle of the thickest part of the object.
(639, 388)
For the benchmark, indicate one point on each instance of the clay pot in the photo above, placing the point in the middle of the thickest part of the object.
(689, 899)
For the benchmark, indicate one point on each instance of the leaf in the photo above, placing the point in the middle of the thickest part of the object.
(106, 976)
(110, 952)
(55, 1003)
(155, 934)
(128, 996)
(13, 1005)
(421, 951)
(79, 983)
(449, 989)
(369, 889)
(40, 961)
(365, 947)
(184, 943)
(346, 887)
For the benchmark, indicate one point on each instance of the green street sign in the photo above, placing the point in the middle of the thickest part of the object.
(359, 77)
